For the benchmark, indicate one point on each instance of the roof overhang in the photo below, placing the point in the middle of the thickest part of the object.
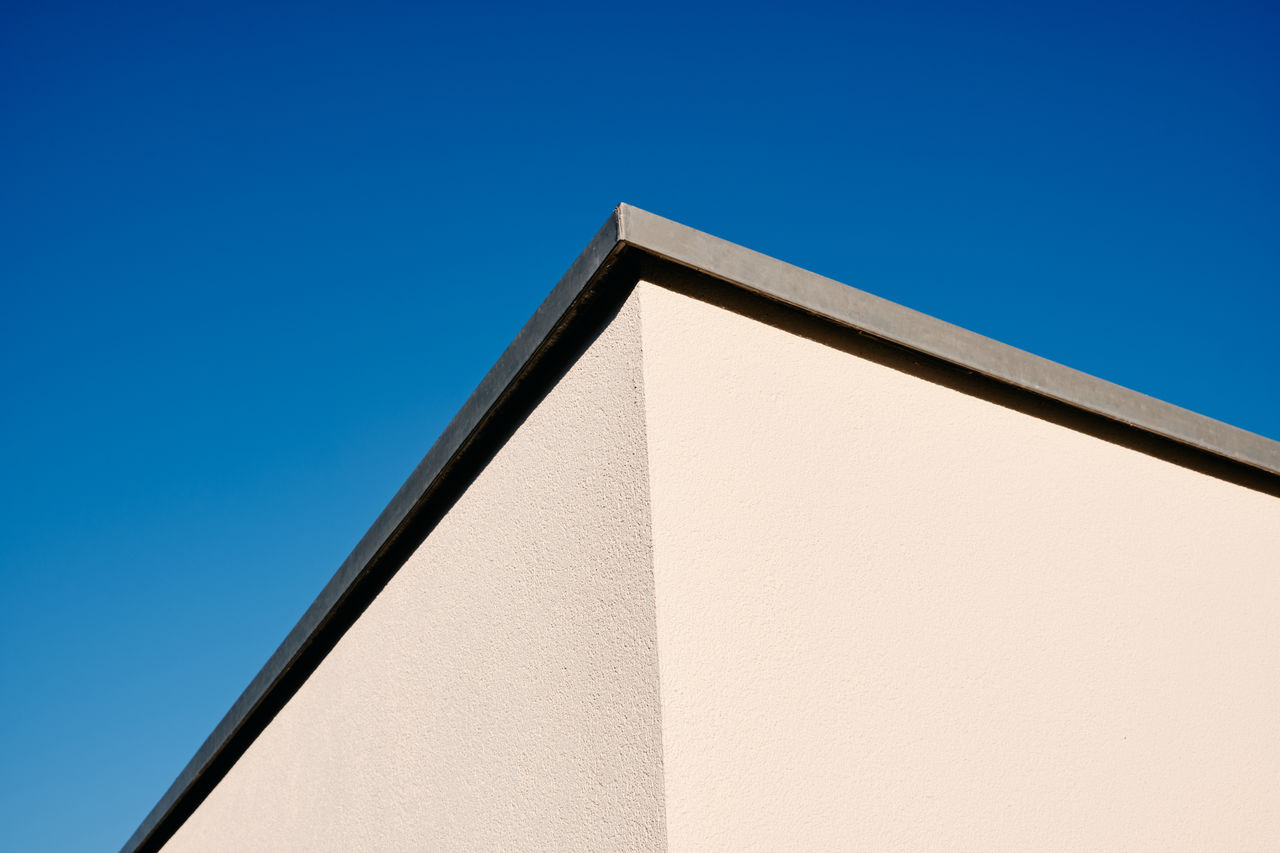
(597, 281)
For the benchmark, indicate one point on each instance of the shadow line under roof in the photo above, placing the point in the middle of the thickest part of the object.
(408, 517)
(856, 309)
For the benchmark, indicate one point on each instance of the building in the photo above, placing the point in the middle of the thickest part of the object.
(723, 555)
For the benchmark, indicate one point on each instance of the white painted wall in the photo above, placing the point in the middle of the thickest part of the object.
(501, 692)
(895, 617)
(729, 588)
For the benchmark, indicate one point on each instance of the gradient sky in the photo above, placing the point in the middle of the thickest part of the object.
(255, 256)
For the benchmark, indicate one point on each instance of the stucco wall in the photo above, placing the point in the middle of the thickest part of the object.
(893, 616)
(501, 692)
(734, 587)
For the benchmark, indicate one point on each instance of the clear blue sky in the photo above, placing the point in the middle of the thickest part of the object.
(254, 257)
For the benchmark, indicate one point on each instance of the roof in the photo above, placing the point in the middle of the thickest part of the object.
(604, 272)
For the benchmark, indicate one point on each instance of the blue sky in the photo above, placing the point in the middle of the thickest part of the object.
(255, 256)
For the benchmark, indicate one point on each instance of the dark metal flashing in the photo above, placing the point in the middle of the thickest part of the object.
(592, 288)
(378, 554)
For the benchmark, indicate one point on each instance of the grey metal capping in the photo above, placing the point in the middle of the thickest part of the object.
(857, 309)
(631, 227)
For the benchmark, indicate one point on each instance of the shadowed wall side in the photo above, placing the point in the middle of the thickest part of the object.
(892, 615)
(501, 691)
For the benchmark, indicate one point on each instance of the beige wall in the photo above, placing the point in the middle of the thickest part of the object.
(501, 692)
(895, 617)
(735, 588)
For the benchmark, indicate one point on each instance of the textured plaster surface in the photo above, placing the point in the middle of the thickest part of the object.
(895, 617)
(501, 692)
(889, 616)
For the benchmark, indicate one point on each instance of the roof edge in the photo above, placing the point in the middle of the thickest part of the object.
(741, 267)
